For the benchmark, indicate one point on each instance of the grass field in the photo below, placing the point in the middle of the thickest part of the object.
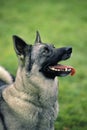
(64, 23)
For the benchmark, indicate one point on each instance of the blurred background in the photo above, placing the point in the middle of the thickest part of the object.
(63, 23)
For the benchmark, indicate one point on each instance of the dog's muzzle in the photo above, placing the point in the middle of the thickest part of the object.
(54, 68)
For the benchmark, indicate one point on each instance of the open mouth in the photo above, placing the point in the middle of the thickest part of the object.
(62, 70)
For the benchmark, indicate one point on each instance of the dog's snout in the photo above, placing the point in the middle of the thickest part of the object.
(69, 50)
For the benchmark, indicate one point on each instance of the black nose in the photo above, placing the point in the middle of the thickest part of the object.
(68, 50)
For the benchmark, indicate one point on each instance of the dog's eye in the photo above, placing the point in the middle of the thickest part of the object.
(46, 50)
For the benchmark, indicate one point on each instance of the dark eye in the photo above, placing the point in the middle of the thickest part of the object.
(46, 50)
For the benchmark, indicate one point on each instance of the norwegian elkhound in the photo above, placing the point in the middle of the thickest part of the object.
(30, 102)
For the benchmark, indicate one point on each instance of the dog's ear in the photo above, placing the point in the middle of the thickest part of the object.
(19, 46)
(38, 38)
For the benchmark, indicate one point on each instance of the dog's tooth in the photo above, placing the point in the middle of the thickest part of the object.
(55, 69)
(52, 68)
(66, 69)
(69, 69)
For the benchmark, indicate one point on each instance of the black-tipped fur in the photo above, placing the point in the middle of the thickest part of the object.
(30, 102)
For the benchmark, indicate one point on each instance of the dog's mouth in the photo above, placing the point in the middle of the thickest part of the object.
(61, 70)
(58, 70)
(51, 71)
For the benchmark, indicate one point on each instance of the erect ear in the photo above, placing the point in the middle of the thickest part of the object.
(38, 38)
(19, 46)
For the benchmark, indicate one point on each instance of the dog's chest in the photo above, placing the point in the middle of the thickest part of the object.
(48, 92)
(32, 113)
(29, 117)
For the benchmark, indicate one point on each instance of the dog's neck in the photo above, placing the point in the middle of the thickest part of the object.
(33, 83)
(25, 81)
(33, 90)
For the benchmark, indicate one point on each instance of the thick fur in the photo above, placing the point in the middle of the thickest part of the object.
(5, 76)
(30, 103)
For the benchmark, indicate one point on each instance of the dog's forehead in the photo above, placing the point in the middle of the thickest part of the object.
(42, 45)
(38, 47)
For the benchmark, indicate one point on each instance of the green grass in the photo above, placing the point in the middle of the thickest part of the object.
(64, 23)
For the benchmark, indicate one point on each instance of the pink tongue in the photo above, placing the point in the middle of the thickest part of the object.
(64, 67)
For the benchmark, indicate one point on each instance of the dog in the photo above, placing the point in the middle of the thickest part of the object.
(30, 102)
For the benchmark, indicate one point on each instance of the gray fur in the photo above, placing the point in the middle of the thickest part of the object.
(30, 103)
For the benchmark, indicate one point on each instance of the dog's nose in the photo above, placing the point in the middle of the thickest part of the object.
(68, 50)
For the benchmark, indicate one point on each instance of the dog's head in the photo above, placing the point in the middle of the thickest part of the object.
(43, 57)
